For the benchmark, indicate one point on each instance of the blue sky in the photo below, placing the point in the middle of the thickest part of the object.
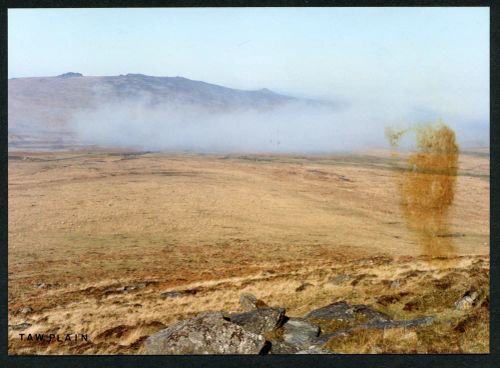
(426, 58)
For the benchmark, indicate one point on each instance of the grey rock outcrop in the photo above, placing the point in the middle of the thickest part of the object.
(346, 312)
(298, 332)
(408, 323)
(313, 350)
(261, 320)
(208, 333)
(375, 325)
(281, 347)
(323, 339)
(70, 75)
(269, 330)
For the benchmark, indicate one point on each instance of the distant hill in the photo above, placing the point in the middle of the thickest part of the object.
(46, 103)
(41, 108)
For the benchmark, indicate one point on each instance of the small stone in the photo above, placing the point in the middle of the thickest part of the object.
(250, 302)
(304, 286)
(395, 284)
(172, 294)
(340, 279)
(20, 326)
(25, 310)
(247, 301)
(466, 301)
(268, 272)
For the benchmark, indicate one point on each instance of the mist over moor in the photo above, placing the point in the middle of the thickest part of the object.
(177, 114)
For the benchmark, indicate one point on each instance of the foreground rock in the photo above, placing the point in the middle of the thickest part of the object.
(281, 347)
(313, 350)
(375, 325)
(268, 330)
(260, 321)
(342, 311)
(406, 323)
(208, 333)
(298, 332)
